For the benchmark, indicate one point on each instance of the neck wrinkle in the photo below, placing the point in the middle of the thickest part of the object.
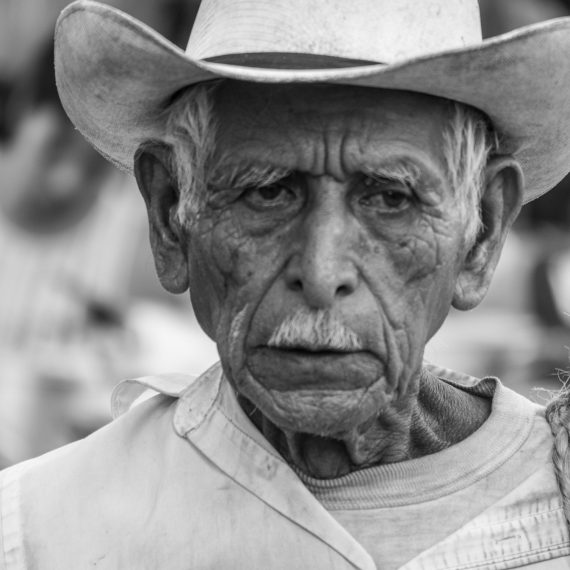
(445, 416)
(438, 416)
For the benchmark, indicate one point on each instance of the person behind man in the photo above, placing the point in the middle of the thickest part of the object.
(71, 236)
(327, 179)
(62, 212)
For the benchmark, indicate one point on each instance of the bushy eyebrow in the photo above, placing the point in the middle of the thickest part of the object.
(259, 175)
(247, 176)
(401, 171)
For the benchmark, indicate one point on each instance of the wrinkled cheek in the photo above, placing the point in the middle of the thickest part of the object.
(232, 334)
(401, 345)
(426, 269)
(226, 278)
(206, 291)
(405, 286)
(416, 258)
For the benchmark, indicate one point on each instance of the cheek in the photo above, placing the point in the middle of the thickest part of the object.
(230, 271)
(429, 264)
(416, 255)
(411, 276)
(208, 271)
(204, 291)
(423, 282)
(422, 254)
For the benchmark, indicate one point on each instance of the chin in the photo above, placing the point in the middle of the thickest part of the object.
(322, 412)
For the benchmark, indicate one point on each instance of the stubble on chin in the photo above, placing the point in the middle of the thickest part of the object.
(326, 413)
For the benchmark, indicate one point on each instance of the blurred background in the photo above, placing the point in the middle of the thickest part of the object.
(80, 305)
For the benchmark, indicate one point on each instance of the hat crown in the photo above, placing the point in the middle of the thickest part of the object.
(382, 31)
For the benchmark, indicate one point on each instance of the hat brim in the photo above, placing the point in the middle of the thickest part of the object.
(117, 77)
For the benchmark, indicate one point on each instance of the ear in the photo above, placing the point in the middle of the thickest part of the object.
(161, 196)
(500, 205)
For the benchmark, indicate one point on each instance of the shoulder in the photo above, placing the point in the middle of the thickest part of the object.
(99, 489)
(139, 433)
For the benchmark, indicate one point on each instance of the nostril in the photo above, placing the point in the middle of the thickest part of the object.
(296, 286)
(344, 291)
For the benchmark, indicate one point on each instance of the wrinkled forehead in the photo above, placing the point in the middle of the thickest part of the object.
(306, 126)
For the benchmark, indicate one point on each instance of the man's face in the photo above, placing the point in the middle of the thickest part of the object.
(334, 203)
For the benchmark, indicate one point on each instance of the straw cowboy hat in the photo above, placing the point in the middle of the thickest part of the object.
(117, 77)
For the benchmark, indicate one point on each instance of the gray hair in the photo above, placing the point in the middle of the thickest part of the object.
(469, 141)
(190, 132)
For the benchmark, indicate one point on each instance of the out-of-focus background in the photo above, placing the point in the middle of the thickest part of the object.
(81, 308)
(80, 305)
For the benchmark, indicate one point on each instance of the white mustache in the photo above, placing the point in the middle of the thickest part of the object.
(315, 331)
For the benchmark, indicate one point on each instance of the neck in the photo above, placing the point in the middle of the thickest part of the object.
(432, 419)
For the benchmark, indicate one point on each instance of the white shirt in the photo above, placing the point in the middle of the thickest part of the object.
(188, 482)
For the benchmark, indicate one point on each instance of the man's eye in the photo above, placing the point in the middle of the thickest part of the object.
(386, 196)
(274, 196)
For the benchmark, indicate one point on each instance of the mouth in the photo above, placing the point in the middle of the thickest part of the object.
(310, 349)
(314, 368)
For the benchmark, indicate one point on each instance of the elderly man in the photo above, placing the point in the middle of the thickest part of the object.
(327, 179)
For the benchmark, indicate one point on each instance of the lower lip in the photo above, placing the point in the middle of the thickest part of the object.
(285, 370)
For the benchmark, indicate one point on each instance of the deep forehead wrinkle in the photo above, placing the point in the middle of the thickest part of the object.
(334, 132)
(235, 171)
(323, 142)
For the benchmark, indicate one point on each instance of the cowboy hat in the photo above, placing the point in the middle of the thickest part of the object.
(117, 77)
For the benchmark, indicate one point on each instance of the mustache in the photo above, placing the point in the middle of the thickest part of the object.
(315, 331)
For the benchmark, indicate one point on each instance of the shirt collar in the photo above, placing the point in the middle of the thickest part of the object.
(209, 416)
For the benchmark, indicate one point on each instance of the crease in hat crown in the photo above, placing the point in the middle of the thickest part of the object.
(382, 31)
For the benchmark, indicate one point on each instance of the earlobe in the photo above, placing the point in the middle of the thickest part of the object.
(500, 205)
(161, 196)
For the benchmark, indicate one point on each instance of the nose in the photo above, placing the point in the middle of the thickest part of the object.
(322, 269)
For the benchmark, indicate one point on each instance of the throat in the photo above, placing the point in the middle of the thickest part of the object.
(332, 457)
(316, 456)
(319, 457)
(432, 418)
